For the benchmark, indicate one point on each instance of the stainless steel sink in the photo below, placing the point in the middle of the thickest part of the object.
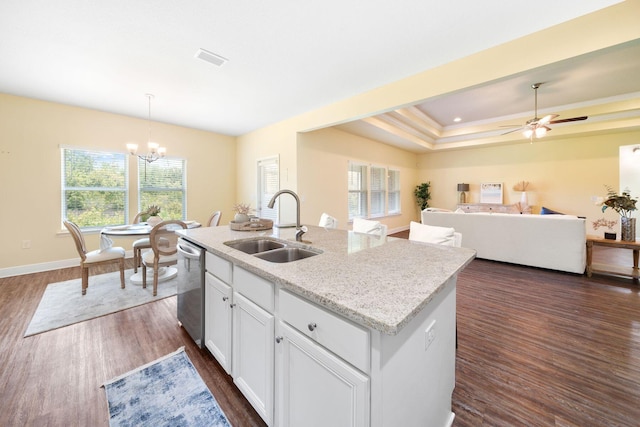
(286, 255)
(254, 246)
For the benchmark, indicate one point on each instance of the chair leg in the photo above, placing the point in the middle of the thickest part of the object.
(136, 259)
(155, 280)
(144, 276)
(85, 279)
(122, 273)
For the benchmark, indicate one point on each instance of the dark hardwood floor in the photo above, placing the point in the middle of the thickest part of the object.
(536, 348)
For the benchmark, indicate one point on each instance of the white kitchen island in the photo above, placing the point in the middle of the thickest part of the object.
(362, 334)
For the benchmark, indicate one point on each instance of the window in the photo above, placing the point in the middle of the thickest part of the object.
(393, 192)
(94, 187)
(377, 189)
(374, 191)
(163, 183)
(357, 176)
(268, 185)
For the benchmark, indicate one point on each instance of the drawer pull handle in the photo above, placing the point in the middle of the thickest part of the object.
(312, 326)
(232, 305)
(279, 339)
(225, 298)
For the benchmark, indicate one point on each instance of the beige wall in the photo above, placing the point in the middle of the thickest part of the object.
(615, 25)
(563, 174)
(221, 174)
(31, 133)
(323, 157)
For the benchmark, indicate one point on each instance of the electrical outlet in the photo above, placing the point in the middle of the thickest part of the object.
(429, 334)
(26, 244)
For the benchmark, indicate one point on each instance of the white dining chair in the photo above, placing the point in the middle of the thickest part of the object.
(367, 226)
(139, 245)
(446, 236)
(327, 221)
(164, 251)
(96, 257)
(214, 219)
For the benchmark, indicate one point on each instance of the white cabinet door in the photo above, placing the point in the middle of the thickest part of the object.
(217, 327)
(316, 388)
(253, 357)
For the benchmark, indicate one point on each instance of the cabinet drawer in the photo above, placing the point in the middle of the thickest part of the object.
(254, 287)
(219, 267)
(344, 338)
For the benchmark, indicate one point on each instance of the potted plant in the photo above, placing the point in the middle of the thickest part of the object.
(603, 222)
(623, 204)
(153, 213)
(423, 195)
(242, 212)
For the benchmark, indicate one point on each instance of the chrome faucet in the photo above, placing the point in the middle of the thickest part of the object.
(300, 230)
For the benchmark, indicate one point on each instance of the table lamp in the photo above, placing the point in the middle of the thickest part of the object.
(463, 188)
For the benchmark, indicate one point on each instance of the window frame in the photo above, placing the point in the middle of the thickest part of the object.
(64, 188)
(143, 172)
(366, 190)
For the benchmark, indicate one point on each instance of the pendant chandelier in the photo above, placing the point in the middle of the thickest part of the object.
(155, 151)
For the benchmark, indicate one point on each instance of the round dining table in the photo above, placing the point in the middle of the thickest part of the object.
(139, 231)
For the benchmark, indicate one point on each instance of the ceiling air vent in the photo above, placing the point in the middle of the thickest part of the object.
(210, 57)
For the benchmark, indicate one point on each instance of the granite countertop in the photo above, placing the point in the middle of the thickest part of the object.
(380, 283)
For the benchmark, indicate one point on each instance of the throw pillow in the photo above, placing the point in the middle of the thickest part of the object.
(545, 211)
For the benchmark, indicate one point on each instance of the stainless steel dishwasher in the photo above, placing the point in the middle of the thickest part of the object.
(191, 289)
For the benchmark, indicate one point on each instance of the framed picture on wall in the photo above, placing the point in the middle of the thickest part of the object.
(491, 192)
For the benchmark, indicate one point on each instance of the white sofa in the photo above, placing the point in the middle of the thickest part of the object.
(556, 242)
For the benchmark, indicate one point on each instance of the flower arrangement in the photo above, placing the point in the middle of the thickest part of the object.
(623, 203)
(242, 208)
(153, 210)
(521, 186)
(603, 222)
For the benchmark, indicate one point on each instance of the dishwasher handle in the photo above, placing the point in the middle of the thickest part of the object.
(189, 251)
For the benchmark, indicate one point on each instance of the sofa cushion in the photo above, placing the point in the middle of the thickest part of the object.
(431, 234)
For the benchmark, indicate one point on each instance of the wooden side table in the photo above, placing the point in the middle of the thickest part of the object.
(612, 269)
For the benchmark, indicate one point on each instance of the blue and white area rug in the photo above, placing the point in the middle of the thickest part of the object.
(166, 392)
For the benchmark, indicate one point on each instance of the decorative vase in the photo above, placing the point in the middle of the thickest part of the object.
(154, 220)
(524, 201)
(241, 218)
(628, 229)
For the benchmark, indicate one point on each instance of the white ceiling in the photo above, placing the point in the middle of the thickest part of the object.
(285, 57)
(594, 85)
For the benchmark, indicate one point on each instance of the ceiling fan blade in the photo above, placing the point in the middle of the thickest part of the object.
(572, 119)
(546, 119)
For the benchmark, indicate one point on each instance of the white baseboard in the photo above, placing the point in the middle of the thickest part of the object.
(398, 229)
(45, 266)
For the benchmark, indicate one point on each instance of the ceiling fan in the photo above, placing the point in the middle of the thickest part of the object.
(537, 127)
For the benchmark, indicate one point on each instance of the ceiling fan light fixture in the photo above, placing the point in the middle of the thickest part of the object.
(528, 133)
(541, 131)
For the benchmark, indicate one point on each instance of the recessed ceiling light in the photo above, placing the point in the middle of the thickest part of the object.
(210, 57)
(457, 119)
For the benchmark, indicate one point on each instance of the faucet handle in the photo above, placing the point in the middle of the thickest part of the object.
(300, 231)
